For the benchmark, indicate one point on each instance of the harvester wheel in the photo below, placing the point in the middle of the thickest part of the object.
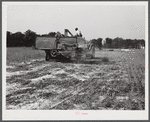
(53, 53)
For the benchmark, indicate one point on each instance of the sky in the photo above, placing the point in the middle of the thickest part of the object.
(94, 21)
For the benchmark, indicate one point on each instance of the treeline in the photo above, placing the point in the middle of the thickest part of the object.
(26, 39)
(118, 43)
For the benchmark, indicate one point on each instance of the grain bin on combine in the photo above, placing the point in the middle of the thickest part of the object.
(70, 47)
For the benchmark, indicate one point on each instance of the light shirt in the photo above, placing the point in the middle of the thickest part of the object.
(77, 33)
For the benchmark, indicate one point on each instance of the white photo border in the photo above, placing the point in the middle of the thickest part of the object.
(70, 114)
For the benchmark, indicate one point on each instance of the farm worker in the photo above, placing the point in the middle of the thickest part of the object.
(78, 33)
(58, 36)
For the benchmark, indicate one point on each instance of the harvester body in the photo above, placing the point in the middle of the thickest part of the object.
(69, 47)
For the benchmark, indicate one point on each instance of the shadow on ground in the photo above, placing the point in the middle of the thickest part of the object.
(96, 60)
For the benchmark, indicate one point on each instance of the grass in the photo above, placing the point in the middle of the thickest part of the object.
(135, 89)
(23, 54)
(120, 83)
(117, 94)
(136, 73)
(136, 86)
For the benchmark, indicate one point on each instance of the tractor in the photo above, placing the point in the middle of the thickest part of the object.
(65, 45)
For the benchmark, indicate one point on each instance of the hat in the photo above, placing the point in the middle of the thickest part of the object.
(76, 28)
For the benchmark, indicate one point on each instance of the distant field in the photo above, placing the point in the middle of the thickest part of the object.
(113, 80)
(23, 54)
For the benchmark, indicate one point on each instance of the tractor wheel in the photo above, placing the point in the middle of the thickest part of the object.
(53, 53)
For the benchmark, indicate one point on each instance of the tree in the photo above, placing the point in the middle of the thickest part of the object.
(129, 43)
(142, 42)
(109, 42)
(52, 34)
(93, 41)
(8, 38)
(15, 39)
(30, 37)
(117, 42)
(19, 39)
(99, 43)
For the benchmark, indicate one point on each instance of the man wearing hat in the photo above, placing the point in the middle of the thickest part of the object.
(78, 33)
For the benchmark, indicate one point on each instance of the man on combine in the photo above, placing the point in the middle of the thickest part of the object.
(78, 33)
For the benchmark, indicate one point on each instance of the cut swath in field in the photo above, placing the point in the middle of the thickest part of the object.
(67, 85)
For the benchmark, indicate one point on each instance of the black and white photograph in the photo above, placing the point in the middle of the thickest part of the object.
(75, 60)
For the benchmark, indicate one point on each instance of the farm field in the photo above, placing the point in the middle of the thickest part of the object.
(113, 80)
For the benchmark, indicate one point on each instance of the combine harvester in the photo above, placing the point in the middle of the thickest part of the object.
(71, 47)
